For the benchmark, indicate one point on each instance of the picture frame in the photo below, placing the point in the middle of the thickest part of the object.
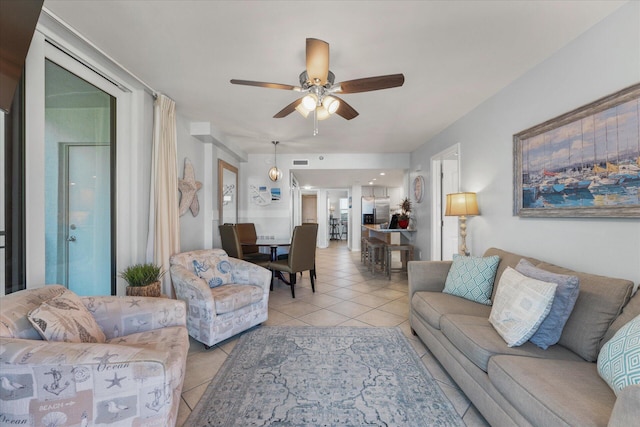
(585, 163)
(418, 188)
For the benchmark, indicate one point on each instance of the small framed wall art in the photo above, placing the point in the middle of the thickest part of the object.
(418, 188)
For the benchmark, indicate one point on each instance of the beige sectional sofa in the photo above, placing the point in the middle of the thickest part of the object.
(133, 378)
(526, 385)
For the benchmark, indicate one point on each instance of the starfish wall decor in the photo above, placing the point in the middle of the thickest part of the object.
(189, 187)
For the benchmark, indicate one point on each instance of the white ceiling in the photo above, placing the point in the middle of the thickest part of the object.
(453, 54)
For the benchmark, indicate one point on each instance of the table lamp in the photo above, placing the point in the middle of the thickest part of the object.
(462, 205)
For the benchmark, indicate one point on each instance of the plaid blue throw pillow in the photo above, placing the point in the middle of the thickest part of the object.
(472, 278)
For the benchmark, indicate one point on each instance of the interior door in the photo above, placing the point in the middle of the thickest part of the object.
(450, 232)
(445, 172)
(309, 208)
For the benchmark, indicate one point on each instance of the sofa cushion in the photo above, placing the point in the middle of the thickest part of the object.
(472, 278)
(479, 341)
(507, 259)
(619, 358)
(520, 306)
(230, 298)
(631, 310)
(432, 305)
(215, 270)
(15, 307)
(553, 392)
(565, 298)
(599, 302)
(65, 318)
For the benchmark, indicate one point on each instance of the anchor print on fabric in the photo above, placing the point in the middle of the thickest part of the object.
(55, 387)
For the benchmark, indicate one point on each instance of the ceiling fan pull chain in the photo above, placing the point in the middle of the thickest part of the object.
(315, 122)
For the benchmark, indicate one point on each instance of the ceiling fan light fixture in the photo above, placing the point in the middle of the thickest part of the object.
(303, 111)
(309, 102)
(331, 104)
(322, 113)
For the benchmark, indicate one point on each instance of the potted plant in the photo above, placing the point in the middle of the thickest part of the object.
(143, 280)
(403, 218)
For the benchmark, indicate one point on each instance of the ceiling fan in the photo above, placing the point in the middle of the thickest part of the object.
(317, 81)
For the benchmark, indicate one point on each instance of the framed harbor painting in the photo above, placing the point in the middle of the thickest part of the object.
(585, 163)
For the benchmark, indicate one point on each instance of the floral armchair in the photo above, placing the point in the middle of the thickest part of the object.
(224, 295)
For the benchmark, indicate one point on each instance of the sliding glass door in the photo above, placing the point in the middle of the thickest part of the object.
(79, 153)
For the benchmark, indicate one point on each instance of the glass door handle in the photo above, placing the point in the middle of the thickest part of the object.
(71, 239)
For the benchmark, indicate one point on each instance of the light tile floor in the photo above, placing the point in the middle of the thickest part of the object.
(346, 295)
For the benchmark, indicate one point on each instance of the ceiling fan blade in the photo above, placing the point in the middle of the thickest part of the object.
(317, 61)
(371, 83)
(288, 109)
(263, 84)
(345, 110)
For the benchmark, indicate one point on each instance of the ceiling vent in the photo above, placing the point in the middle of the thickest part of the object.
(301, 163)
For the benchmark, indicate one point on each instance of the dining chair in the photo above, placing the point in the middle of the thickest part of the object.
(302, 256)
(232, 246)
(285, 256)
(247, 234)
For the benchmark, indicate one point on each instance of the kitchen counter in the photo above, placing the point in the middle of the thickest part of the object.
(390, 235)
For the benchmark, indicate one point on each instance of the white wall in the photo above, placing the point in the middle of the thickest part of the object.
(602, 61)
(192, 234)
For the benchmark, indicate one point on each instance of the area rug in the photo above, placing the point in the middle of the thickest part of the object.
(308, 376)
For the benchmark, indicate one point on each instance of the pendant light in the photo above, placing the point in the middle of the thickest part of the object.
(275, 173)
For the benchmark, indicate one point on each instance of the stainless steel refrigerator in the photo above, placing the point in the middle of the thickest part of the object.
(375, 210)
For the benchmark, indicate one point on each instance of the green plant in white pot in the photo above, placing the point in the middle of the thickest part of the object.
(143, 279)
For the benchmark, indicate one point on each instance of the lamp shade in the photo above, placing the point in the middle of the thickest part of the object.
(461, 204)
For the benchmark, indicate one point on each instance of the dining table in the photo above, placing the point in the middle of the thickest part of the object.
(273, 245)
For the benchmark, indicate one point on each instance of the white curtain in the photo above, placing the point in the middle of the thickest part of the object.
(164, 226)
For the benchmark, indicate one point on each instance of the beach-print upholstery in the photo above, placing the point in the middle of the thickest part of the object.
(214, 269)
(215, 314)
(133, 379)
(65, 318)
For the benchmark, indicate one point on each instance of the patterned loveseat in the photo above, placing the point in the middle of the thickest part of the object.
(221, 308)
(133, 378)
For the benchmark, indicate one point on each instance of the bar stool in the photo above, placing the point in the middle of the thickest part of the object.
(364, 252)
(375, 253)
(406, 254)
(344, 231)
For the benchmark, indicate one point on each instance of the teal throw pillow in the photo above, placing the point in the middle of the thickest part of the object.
(619, 358)
(567, 291)
(215, 271)
(472, 277)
